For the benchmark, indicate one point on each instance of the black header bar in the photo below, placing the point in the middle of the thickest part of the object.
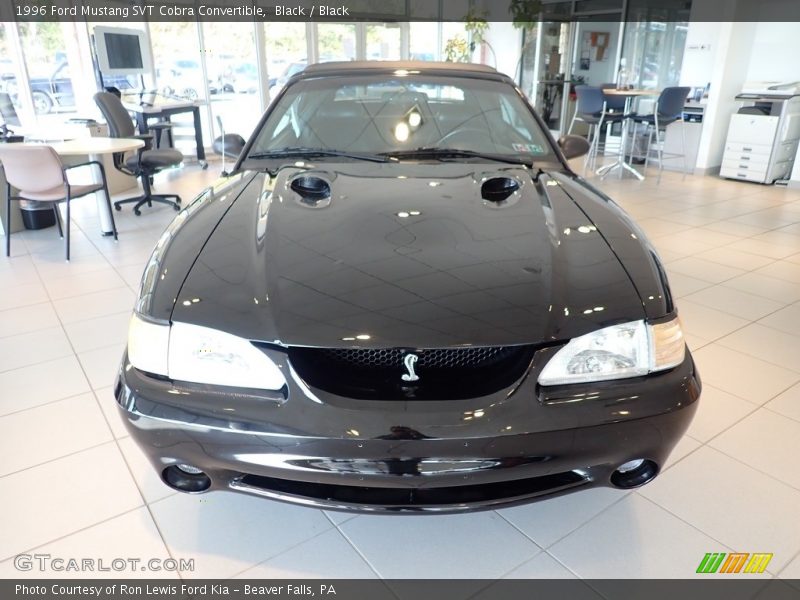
(524, 13)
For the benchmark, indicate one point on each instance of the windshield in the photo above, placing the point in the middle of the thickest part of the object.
(394, 115)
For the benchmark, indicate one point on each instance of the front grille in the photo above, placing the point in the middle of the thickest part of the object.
(462, 497)
(444, 373)
(437, 358)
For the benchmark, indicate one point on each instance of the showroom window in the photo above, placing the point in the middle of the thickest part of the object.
(233, 82)
(424, 41)
(51, 55)
(227, 67)
(383, 41)
(179, 73)
(10, 77)
(287, 52)
(336, 41)
(653, 45)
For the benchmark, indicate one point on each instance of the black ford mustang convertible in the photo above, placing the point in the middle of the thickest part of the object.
(403, 299)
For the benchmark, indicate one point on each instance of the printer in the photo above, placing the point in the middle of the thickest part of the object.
(763, 135)
(770, 88)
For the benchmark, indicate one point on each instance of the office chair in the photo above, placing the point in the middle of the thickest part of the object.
(145, 163)
(36, 171)
(592, 110)
(159, 128)
(668, 110)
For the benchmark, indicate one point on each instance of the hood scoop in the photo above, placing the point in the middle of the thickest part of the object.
(314, 191)
(498, 190)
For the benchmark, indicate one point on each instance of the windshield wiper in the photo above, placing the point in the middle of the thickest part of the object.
(300, 152)
(443, 153)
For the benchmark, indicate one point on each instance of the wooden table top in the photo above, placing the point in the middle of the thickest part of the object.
(616, 92)
(96, 145)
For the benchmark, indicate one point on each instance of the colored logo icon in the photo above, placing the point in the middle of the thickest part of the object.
(736, 562)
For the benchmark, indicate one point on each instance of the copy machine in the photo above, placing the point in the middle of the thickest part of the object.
(763, 135)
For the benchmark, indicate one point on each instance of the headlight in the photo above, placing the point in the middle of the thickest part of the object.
(616, 352)
(205, 355)
(148, 343)
(200, 355)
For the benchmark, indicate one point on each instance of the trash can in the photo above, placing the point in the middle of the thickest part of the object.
(37, 215)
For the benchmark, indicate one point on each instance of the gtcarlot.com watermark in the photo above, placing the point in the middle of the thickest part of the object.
(46, 563)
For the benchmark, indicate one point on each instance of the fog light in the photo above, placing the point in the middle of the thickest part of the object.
(634, 473)
(195, 471)
(180, 477)
(624, 468)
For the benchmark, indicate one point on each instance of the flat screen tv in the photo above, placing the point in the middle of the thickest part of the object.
(121, 51)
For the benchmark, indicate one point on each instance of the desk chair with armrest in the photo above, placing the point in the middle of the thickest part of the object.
(159, 129)
(145, 163)
(36, 171)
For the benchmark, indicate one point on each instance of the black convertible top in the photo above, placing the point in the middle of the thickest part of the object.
(388, 66)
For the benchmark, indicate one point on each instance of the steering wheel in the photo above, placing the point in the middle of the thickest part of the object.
(481, 133)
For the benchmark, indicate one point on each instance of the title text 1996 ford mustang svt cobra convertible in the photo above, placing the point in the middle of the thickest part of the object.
(403, 299)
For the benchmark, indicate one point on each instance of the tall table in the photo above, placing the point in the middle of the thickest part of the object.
(620, 164)
(95, 148)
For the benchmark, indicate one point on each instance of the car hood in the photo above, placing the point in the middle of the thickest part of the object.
(406, 255)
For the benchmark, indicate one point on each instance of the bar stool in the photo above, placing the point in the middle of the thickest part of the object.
(592, 110)
(668, 110)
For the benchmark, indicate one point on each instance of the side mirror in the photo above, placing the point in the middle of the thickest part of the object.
(573, 146)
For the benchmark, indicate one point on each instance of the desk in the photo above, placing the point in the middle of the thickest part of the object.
(164, 111)
(95, 148)
(620, 163)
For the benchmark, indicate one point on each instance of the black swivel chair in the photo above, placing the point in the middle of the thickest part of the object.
(158, 129)
(146, 162)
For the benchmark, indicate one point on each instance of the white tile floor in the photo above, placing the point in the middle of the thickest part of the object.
(73, 484)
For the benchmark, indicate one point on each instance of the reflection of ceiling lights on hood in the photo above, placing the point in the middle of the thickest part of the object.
(360, 336)
(410, 122)
(401, 131)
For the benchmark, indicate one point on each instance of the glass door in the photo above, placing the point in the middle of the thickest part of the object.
(553, 72)
(233, 85)
(595, 59)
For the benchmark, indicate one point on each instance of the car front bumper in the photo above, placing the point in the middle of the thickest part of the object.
(309, 448)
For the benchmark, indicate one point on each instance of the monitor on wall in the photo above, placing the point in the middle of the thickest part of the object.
(122, 51)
